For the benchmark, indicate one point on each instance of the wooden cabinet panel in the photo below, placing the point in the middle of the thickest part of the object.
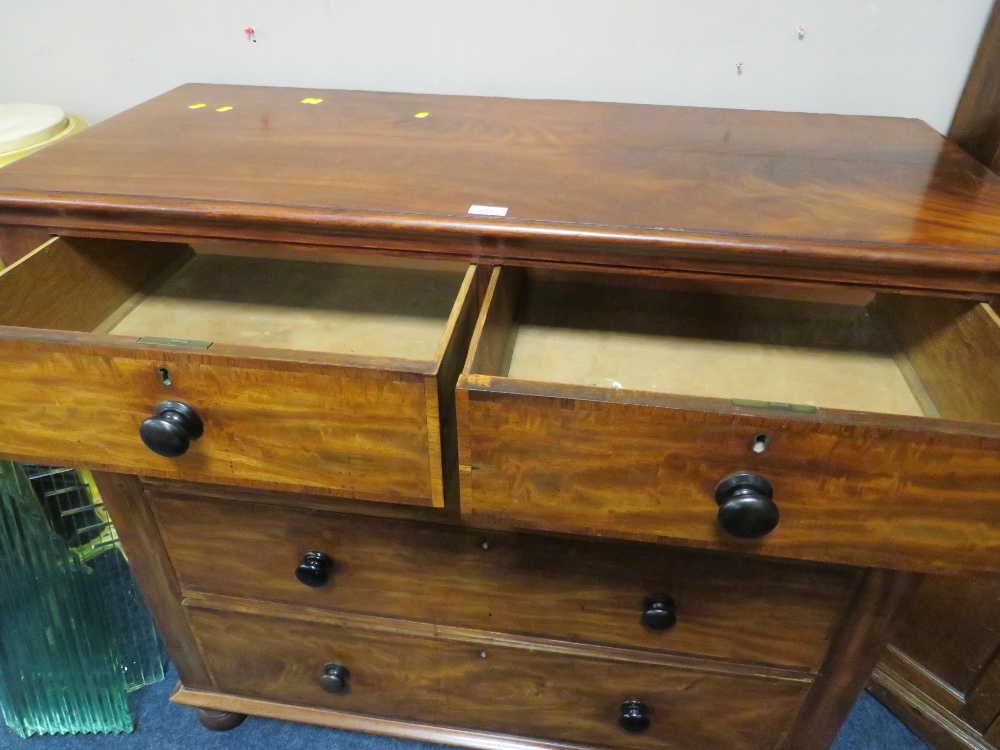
(495, 688)
(951, 626)
(868, 201)
(941, 673)
(572, 590)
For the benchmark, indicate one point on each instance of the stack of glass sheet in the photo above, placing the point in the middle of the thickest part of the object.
(75, 635)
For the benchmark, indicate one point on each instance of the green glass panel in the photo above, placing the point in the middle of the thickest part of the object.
(59, 668)
(72, 504)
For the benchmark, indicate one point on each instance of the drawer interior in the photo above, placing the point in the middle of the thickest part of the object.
(864, 352)
(371, 307)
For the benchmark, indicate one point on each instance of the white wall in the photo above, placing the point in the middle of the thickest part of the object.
(891, 57)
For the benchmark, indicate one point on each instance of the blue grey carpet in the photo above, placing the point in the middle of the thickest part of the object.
(160, 725)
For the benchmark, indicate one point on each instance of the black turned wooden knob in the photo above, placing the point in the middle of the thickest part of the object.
(658, 612)
(334, 679)
(315, 569)
(170, 432)
(746, 507)
(634, 716)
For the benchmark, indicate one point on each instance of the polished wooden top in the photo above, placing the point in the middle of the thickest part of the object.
(861, 200)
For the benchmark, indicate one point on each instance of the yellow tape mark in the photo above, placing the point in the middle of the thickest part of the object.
(223, 109)
(421, 115)
(311, 100)
(196, 106)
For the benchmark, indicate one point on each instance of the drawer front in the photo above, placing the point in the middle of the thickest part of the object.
(492, 688)
(858, 495)
(354, 432)
(749, 611)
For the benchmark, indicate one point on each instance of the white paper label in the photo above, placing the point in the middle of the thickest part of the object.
(488, 210)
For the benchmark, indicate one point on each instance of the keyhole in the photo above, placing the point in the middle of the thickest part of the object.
(164, 376)
(760, 443)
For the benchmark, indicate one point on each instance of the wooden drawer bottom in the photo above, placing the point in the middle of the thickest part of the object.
(508, 689)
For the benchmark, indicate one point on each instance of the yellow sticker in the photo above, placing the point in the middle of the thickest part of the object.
(196, 106)
(421, 115)
(311, 100)
(223, 109)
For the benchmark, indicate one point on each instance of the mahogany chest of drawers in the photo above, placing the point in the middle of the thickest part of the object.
(517, 424)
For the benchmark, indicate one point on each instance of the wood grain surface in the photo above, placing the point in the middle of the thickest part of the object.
(954, 349)
(354, 432)
(941, 675)
(79, 379)
(899, 668)
(858, 200)
(18, 241)
(902, 686)
(578, 591)
(530, 635)
(442, 427)
(499, 689)
(861, 639)
(307, 500)
(859, 488)
(853, 494)
(74, 285)
(496, 330)
(951, 627)
(324, 717)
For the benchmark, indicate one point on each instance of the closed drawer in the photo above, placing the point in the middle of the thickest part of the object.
(620, 412)
(496, 688)
(749, 611)
(329, 377)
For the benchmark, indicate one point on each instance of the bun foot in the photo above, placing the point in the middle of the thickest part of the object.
(219, 721)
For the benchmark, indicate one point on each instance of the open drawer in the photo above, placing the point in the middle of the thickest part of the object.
(154, 359)
(864, 433)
